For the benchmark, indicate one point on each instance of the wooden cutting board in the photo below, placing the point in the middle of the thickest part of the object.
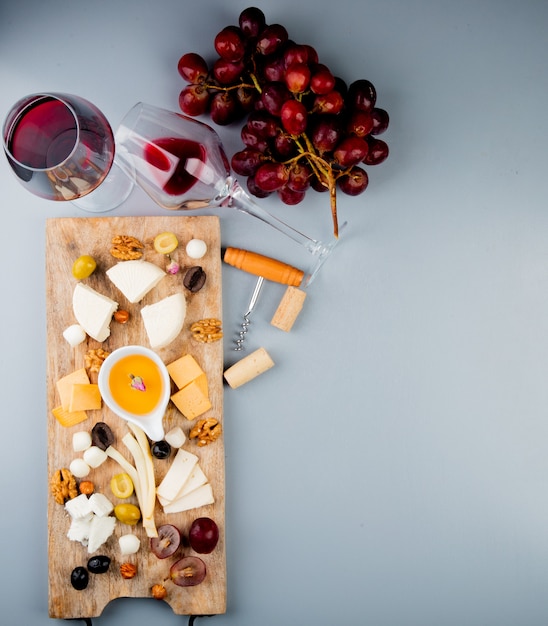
(66, 240)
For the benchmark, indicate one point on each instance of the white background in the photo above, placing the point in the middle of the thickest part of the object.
(392, 469)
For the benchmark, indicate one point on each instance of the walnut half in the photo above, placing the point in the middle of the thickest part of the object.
(126, 248)
(206, 431)
(63, 486)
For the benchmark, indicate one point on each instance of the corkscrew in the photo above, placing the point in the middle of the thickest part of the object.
(250, 307)
(266, 268)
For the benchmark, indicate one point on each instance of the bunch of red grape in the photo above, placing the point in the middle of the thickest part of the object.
(304, 127)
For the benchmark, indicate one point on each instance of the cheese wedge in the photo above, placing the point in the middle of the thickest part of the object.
(184, 370)
(65, 384)
(177, 474)
(193, 500)
(93, 311)
(191, 400)
(164, 320)
(135, 278)
(196, 479)
(84, 397)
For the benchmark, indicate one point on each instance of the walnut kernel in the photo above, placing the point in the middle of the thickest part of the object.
(126, 248)
(93, 359)
(63, 486)
(207, 330)
(206, 431)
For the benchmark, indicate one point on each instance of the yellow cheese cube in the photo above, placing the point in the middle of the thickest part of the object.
(184, 370)
(66, 418)
(191, 400)
(64, 385)
(85, 397)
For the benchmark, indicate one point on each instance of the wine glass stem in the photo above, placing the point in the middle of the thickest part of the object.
(239, 200)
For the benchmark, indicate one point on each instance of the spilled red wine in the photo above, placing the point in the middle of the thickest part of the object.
(171, 158)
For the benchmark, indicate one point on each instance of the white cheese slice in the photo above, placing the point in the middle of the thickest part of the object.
(93, 311)
(196, 498)
(164, 320)
(178, 473)
(196, 479)
(100, 529)
(135, 278)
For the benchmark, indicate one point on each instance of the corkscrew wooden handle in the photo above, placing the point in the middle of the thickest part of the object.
(260, 265)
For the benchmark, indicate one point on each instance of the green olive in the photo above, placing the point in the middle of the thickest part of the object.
(83, 267)
(127, 513)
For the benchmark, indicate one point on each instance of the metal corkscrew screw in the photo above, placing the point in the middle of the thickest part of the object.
(245, 324)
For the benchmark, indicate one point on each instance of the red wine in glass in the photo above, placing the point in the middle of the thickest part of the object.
(61, 147)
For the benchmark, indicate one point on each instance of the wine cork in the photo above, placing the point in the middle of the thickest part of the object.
(289, 308)
(248, 368)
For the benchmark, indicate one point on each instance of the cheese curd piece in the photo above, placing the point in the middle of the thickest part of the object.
(196, 248)
(129, 544)
(81, 441)
(164, 320)
(95, 457)
(175, 437)
(74, 335)
(135, 278)
(79, 468)
(100, 504)
(93, 311)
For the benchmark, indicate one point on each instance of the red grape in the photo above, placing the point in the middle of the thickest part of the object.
(294, 117)
(378, 151)
(255, 190)
(252, 21)
(361, 95)
(326, 133)
(167, 542)
(271, 176)
(227, 72)
(252, 139)
(272, 39)
(188, 571)
(290, 196)
(299, 177)
(360, 123)
(203, 535)
(247, 162)
(297, 77)
(296, 53)
(273, 69)
(192, 67)
(223, 108)
(322, 80)
(273, 97)
(263, 124)
(331, 102)
(380, 121)
(355, 182)
(194, 100)
(350, 151)
(229, 44)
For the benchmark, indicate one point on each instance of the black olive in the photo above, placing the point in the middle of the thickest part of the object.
(194, 279)
(161, 449)
(79, 578)
(102, 436)
(98, 564)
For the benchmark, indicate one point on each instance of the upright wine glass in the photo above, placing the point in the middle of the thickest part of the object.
(61, 147)
(180, 162)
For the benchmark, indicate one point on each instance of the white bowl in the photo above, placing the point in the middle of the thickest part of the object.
(151, 423)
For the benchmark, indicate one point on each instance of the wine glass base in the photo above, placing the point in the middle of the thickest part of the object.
(110, 194)
(322, 256)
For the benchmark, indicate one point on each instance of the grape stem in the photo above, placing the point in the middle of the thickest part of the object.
(323, 172)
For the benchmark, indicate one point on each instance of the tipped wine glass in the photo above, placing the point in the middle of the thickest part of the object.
(181, 164)
(61, 147)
